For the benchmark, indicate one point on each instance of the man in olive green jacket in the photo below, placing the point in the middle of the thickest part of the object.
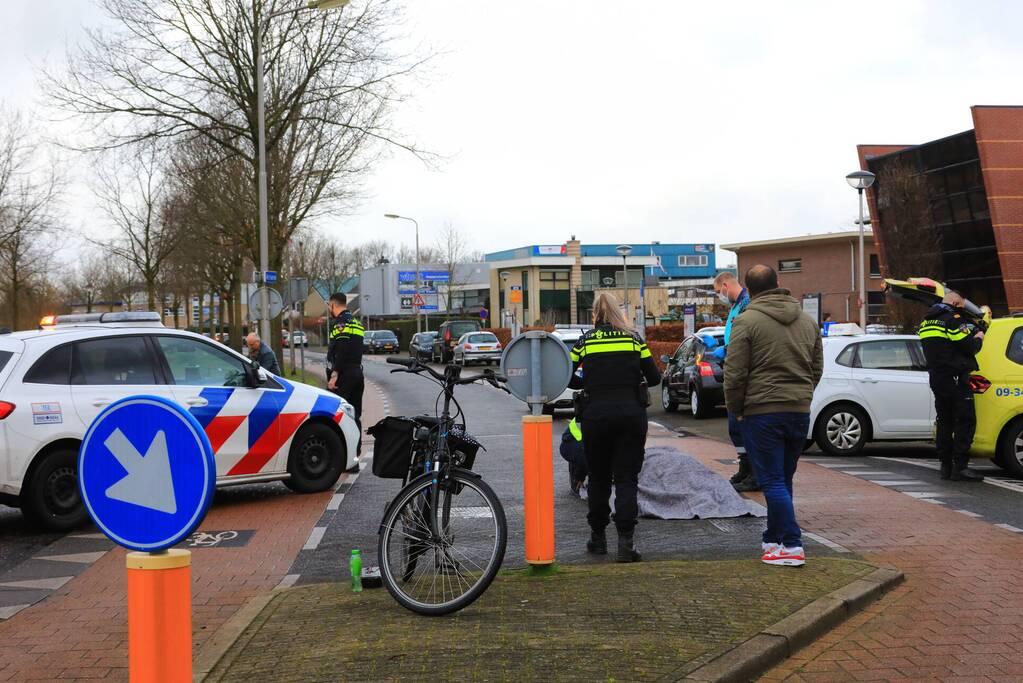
(775, 359)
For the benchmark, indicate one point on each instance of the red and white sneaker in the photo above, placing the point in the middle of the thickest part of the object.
(784, 557)
(766, 548)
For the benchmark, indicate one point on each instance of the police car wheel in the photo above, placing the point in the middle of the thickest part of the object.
(316, 459)
(52, 498)
(841, 430)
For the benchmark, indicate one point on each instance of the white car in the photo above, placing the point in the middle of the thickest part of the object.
(569, 335)
(874, 388)
(55, 381)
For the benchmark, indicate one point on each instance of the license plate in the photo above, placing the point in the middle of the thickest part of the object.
(484, 348)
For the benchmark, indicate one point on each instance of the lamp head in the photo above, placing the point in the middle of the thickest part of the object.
(391, 215)
(860, 180)
(326, 4)
(623, 250)
(505, 275)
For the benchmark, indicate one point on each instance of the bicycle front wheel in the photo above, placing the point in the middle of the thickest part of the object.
(438, 558)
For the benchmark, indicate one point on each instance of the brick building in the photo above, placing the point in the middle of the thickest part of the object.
(826, 264)
(973, 182)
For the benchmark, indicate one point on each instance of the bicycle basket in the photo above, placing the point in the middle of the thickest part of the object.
(460, 442)
(392, 448)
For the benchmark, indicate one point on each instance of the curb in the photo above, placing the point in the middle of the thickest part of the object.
(227, 635)
(776, 643)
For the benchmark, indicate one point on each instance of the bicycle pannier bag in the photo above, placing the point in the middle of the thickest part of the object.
(392, 448)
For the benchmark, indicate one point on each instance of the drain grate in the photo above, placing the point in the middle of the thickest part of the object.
(739, 525)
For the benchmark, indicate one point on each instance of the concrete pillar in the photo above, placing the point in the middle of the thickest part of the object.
(573, 249)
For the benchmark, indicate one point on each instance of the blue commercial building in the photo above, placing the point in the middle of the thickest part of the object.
(556, 283)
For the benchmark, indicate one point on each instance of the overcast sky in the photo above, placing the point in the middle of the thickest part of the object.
(657, 120)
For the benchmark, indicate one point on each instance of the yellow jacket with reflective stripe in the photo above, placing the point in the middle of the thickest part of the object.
(613, 359)
(949, 340)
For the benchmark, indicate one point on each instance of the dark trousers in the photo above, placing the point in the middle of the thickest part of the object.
(774, 442)
(955, 419)
(350, 385)
(614, 444)
(573, 452)
(735, 434)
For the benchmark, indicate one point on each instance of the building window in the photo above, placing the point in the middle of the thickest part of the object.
(554, 279)
(792, 265)
(875, 266)
(692, 261)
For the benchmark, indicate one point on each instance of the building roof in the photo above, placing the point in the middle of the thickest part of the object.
(802, 239)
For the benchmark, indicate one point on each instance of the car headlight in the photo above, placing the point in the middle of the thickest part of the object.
(347, 409)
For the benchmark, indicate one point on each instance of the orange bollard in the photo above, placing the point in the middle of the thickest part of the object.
(538, 471)
(160, 616)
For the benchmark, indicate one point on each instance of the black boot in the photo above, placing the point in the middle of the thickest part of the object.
(946, 466)
(626, 549)
(744, 470)
(750, 483)
(597, 545)
(960, 471)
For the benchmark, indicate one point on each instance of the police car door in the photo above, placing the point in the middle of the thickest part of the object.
(109, 368)
(240, 420)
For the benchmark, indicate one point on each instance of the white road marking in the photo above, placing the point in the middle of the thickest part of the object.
(1001, 482)
(1009, 527)
(922, 494)
(315, 536)
(8, 612)
(82, 558)
(288, 581)
(88, 536)
(44, 584)
(870, 473)
(897, 482)
(335, 501)
(826, 542)
(835, 465)
(968, 513)
(933, 500)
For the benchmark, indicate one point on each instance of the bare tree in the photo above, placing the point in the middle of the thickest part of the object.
(30, 184)
(453, 249)
(912, 248)
(94, 279)
(185, 69)
(132, 191)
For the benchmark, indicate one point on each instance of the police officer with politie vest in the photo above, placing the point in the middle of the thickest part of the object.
(616, 372)
(951, 339)
(344, 355)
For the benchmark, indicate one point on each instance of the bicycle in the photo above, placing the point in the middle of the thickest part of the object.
(443, 537)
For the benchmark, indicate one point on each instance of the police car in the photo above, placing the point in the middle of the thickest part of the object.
(55, 381)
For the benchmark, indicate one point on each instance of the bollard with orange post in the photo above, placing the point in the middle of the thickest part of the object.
(147, 475)
(160, 616)
(538, 470)
(537, 366)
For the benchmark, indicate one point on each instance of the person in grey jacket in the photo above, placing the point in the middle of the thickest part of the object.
(775, 360)
(261, 352)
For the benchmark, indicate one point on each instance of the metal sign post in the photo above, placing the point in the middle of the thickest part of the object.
(146, 475)
(538, 368)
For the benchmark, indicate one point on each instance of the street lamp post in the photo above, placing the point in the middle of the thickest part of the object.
(860, 181)
(624, 250)
(264, 238)
(505, 276)
(416, 297)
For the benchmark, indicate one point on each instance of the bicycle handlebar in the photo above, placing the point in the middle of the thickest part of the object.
(415, 366)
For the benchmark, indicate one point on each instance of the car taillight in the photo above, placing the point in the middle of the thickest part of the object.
(979, 384)
(5, 409)
(447, 335)
(706, 370)
(468, 346)
(498, 347)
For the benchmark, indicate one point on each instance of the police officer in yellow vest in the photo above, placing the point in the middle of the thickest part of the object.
(950, 341)
(344, 355)
(617, 372)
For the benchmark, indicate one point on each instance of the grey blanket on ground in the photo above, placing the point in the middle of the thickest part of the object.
(673, 485)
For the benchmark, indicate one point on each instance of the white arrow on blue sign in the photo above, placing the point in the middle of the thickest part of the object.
(146, 472)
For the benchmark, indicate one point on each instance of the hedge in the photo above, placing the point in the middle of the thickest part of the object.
(661, 348)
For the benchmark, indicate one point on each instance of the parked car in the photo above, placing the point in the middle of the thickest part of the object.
(55, 381)
(569, 335)
(447, 338)
(300, 338)
(382, 341)
(874, 388)
(477, 347)
(694, 376)
(421, 346)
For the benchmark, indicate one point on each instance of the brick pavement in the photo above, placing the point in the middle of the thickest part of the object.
(958, 616)
(80, 631)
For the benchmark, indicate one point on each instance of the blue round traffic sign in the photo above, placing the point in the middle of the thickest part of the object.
(146, 472)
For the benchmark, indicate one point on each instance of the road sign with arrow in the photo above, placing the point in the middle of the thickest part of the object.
(146, 472)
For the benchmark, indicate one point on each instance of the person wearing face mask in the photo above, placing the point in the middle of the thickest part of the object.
(734, 295)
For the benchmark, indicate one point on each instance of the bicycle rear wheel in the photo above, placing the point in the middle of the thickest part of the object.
(435, 575)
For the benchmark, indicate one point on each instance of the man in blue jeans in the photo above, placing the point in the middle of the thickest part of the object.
(775, 359)
(734, 295)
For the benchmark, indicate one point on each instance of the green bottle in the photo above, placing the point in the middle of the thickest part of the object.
(355, 567)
